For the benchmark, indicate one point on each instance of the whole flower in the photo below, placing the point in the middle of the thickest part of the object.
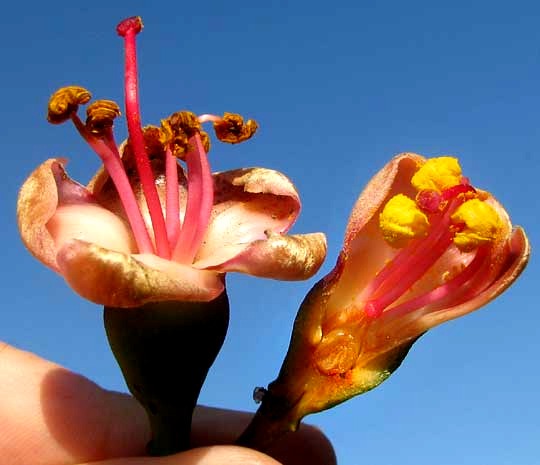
(146, 228)
(422, 246)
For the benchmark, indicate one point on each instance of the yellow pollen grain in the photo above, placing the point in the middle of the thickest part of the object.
(401, 220)
(437, 174)
(482, 224)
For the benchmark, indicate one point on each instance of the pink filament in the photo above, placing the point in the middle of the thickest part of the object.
(138, 145)
(442, 291)
(107, 151)
(411, 264)
(172, 198)
(206, 117)
(409, 273)
(200, 198)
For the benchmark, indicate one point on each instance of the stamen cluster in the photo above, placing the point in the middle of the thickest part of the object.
(447, 211)
(180, 136)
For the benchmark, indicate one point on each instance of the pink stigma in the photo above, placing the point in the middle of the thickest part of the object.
(128, 29)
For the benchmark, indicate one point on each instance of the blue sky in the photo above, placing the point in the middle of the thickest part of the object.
(338, 89)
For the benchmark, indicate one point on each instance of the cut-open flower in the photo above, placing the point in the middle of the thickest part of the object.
(148, 228)
(422, 247)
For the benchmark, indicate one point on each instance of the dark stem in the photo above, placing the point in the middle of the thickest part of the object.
(275, 417)
(165, 350)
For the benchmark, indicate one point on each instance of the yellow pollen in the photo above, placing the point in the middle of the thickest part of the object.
(482, 224)
(401, 220)
(437, 174)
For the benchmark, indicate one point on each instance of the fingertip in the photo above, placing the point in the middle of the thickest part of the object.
(212, 455)
(219, 455)
(308, 445)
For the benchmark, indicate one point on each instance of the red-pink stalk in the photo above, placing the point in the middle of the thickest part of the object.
(408, 274)
(129, 29)
(113, 164)
(207, 117)
(172, 198)
(200, 198)
(391, 274)
(400, 259)
(400, 275)
(442, 291)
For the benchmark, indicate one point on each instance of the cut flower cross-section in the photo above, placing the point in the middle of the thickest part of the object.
(422, 246)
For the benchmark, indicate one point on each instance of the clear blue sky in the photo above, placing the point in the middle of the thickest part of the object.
(338, 88)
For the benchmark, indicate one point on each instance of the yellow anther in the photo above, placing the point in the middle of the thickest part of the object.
(64, 102)
(233, 130)
(100, 116)
(401, 220)
(437, 174)
(482, 224)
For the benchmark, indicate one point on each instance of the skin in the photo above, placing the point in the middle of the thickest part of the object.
(51, 416)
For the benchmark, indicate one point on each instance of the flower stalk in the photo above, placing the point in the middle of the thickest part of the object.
(165, 350)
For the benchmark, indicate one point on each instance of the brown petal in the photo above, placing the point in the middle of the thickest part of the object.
(43, 191)
(120, 280)
(281, 257)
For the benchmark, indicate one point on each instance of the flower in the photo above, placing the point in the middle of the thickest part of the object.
(145, 229)
(422, 247)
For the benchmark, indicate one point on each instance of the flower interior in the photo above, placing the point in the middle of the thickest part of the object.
(436, 238)
(179, 137)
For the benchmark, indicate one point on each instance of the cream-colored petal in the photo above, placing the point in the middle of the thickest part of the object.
(90, 223)
(120, 280)
(281, 257)
(255, 181)
(45, 189)
(248, 202)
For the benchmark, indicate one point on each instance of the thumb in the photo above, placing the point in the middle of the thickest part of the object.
(213, 455)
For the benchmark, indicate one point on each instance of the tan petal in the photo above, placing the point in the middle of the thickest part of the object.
(90, 223)
(35, 206)
(281, 257)
(247, 203)
(45, 189)
(120, 280)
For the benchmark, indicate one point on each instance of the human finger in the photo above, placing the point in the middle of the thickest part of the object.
(219, 426)
(53, 416)
(212, 455)
(50, 415)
